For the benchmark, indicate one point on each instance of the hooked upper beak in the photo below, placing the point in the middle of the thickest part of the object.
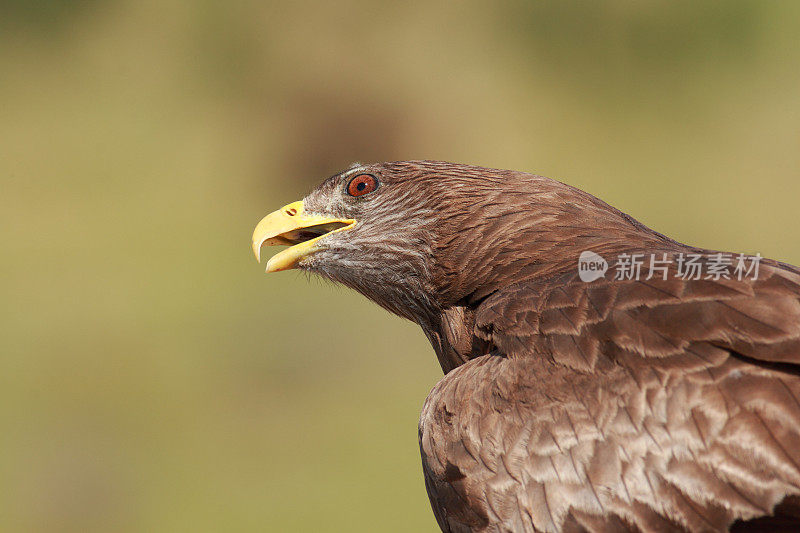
(293, 226)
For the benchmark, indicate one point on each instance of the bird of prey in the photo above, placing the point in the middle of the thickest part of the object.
(598, 375)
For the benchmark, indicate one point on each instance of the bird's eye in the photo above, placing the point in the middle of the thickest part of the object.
(362, 184)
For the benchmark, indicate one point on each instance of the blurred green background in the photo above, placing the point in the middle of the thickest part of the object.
(152, 378)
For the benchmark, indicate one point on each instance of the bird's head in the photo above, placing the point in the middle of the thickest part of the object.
(420, 236)
(371, 227)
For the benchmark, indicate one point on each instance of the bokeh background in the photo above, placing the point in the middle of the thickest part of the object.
(152, 378)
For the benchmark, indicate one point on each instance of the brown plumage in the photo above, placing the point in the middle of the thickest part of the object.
(610, 405)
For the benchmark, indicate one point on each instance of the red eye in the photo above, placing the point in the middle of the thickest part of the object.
(361, 185)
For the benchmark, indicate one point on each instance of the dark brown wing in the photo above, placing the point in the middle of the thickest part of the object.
(660, 404)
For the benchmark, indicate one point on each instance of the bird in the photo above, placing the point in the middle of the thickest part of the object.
(598, 375)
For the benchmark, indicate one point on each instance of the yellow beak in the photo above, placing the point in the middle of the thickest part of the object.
(292, 225)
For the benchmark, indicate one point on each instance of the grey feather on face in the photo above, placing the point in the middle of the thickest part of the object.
(387, 254)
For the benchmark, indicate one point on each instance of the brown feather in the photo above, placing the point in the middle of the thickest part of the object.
(641, 405)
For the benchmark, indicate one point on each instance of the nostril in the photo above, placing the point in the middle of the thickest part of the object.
(291, 212)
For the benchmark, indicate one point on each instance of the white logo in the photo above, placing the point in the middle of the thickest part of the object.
(591, 266)
(687, 266)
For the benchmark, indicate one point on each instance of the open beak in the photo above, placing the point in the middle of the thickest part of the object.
(293, 226)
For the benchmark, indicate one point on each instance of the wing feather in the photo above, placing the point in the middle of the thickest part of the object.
(649, 405)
